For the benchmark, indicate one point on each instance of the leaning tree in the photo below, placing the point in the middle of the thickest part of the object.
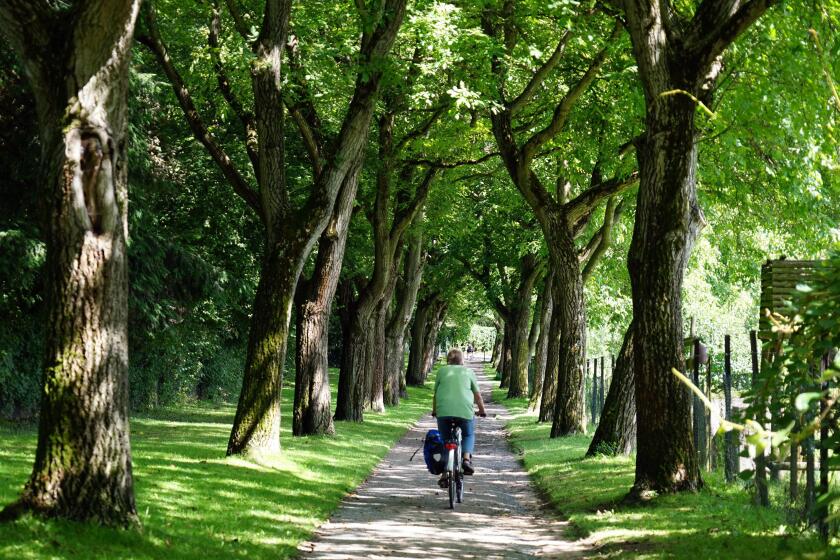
(291, 224)
(527, 131)
(76, 57)
(679, 58)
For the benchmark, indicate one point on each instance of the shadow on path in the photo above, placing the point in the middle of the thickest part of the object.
(400, 513)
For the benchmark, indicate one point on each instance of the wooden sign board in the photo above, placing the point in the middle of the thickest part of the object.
(779, 279)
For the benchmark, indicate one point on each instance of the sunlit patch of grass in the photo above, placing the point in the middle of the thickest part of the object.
(718, 522)
(195, 503)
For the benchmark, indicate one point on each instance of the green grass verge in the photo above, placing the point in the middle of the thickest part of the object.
(195, 503)
(718, 522)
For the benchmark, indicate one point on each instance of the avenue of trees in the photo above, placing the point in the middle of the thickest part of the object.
(214, 199)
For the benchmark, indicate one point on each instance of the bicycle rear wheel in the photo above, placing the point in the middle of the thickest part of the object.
(459, 487)
(452, 490)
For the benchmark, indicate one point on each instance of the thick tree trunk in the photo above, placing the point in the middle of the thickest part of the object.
(667, 222)
(616, 432)
(82, 468)
(678, 62)
(430, 350)
(505, 355)
(256, 426)
(549, 390)
(495, 355)
(344, 404)
(541, 351)
(396, 329)
(415, 376)
(517, 377)
(376, 344)
(313, 299)
(521, 321)
(568, 291)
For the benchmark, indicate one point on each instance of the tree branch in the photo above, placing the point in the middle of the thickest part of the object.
(562, 110)
(155, 44)
(423, 128)
(238, 21)
(717, 23)
(451, 164)
(404, 219)
(579, 208)
(246, 117)
(539, 76)
(602, 239)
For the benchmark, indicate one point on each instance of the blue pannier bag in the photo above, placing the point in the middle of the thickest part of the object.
(433, 452)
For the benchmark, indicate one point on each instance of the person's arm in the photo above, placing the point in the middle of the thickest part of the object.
(480, 402)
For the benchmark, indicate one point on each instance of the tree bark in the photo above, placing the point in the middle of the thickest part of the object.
(256, 426)
(431, 336)
(616, 432)
(520, 311)
(346, 406)
(549, 391)
(541, 351)
(495, 355)
(398, 324)
(313, 298)
(568, 289)
(77, 64)
(415, 376)
(679, 62)
(290, 231)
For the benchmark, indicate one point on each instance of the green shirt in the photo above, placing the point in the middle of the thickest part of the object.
(454, 387)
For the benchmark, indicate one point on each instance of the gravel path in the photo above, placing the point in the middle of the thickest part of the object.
(399, 512)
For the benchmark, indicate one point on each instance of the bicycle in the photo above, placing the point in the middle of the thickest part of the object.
(453, 471)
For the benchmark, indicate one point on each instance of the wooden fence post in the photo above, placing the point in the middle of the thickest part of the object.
(728, 438)
(698, 417)
(594, 390)
(822, 513)
(760, 468)
(601, 391)
(585, 386)
(710, 451)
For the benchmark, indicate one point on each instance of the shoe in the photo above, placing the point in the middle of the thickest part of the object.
(467, 467)
(443, 482)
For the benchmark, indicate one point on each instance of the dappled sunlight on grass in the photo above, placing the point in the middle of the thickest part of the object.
(195, 503)
(718, 522)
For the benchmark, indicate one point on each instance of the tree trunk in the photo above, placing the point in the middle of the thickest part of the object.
(431, 336)
(313, 298)
(396, 329)
(376, 342)
(521, 315)
(679, 62)
(541, 352)
(667, 222)
(422, 317)
(616, 432)
(344, 404)
(495, 355)
(549, 391)
(505, 356)
(82, 468)
(256, 426)
(568, 291)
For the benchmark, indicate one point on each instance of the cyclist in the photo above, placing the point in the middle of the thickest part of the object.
(456, 390)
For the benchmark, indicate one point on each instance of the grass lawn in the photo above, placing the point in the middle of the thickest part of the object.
(195, 503)
(719, 522)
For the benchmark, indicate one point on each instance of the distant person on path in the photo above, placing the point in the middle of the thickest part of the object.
(456, 390)
(470, 351)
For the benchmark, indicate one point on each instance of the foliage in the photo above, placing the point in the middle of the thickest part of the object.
(195, 504)
(718, 522)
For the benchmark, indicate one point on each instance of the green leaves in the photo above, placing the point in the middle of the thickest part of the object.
(803, 400)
